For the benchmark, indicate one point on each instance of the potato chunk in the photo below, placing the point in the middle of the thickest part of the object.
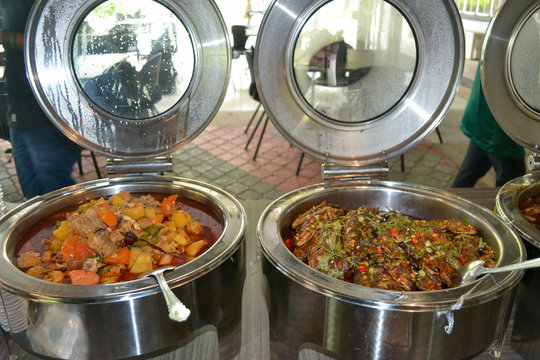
(140, 261)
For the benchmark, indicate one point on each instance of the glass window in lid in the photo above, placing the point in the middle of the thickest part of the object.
(525, 64)
(354, 59)
(133, 58)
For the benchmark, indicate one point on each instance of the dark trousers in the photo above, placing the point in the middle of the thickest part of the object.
(477, 163)
(44, 160)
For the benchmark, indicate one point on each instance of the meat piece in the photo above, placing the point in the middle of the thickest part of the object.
(125, 196)
(87, 223)
(75, 264)
(55, 276)
(90, 265)
(100, 245)
(116, 237)
(47, 256)
(382, 280)
(195, 228)
(311, 221)
(28, 259)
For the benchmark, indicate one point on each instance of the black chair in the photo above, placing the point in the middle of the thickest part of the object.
(239, 33)
(255, 96)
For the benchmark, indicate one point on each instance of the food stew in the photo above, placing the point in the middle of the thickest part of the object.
(117, 239)
(530, 208)
(386, 250)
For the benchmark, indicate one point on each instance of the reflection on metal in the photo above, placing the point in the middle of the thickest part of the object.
(358, 69)
(524, 64)
(135, 62)
(511, 71)
(375, 94)
(481, 8)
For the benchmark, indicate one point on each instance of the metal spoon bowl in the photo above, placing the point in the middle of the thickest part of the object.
(471, 270)
(177, 310)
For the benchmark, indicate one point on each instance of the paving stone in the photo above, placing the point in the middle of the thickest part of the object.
(237, 174)
(274, 194)
(250, 194)
(236, 188)
(248, 180)
(262, 187)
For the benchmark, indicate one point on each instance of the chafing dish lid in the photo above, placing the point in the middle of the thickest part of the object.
(511, 71)
(128, 78)
(358, 82)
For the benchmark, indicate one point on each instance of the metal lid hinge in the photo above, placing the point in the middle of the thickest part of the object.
(533, 162)
(140, 166)
(352, 173)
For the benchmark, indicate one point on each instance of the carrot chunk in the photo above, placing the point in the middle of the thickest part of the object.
(109, 218)
(168, 205)
(83, 277)
(119, 257)
(68, 249)
(82, 250)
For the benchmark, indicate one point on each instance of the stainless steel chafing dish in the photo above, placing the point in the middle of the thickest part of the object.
(510, 73)
(354, 97)
(133, 81)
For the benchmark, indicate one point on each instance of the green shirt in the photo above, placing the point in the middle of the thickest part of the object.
(481, 128)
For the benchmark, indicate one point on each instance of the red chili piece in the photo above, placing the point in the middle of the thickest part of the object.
(361, 268)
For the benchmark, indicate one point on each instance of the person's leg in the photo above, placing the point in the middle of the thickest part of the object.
(475, 165)
(506, 169)
(28, 180)
(50, 157)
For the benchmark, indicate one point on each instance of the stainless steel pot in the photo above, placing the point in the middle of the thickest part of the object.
(311, 311)
(125, 319)
(507, 203)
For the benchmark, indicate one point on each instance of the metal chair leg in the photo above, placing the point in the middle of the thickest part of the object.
(439, 134)
(79, 164)
(260, 138)
(95, 164)
(252, 117)
(300, 163)
(255, 129)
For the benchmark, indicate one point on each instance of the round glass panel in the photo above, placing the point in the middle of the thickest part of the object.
(525, 63)
(133, 58)
(354, 59)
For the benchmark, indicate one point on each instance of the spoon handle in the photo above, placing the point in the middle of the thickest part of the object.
(177, 310)
(517, 266)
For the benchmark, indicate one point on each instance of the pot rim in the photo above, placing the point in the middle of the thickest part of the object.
(479, 291)
(231, 213)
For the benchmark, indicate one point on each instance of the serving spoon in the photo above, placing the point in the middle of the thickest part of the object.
(177, 310)
(471, 270)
